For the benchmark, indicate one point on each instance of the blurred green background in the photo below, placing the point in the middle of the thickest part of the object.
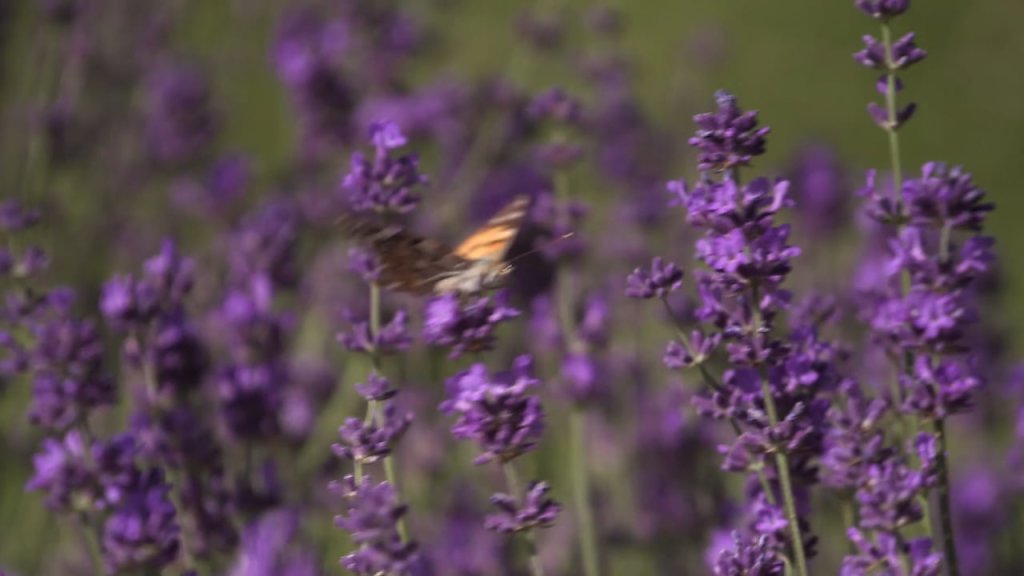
(789, 59)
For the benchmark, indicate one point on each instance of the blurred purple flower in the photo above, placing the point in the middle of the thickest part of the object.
(371, 515)
(78, 476)
(662, 279)
(142, 533)
(497, 411)
(749, 557)
(882, 9)
(536, 510)
(180, 125)
(468, 327)
(387, 182)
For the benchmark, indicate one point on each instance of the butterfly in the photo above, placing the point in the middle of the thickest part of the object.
(417, 265)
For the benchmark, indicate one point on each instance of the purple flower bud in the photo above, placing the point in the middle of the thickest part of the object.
(659, 281)
(392, 338)
(536, 510)
(377, 388)
(945, 196)
(882, 9)
(729, 137)
(369, 442)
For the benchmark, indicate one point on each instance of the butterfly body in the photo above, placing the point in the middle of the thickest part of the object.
(409, 263)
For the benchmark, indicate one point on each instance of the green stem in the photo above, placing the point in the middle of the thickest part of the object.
(890, 105)
(945, 511)
(512, 484)
(581, 493)
(371, 406)
(91, 540)
(782, 463)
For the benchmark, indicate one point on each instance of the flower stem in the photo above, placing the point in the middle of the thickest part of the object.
(587, 538)
(91, 539)
(581, 493)
(945, 512)
(782, 463)
(512, 485)
(890, 105)
(371, 405)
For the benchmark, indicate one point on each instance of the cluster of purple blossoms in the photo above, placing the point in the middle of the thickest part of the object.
(180, 125)
(372, 513)
(465, 326)
(385, 186)
(499, 413)
(773, 391)
(164, 347)
(140, 525)
(387, 182)
(308, 52)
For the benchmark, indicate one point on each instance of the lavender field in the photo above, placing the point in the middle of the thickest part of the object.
(453, 288)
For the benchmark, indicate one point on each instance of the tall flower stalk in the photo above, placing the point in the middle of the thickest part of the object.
(927, 214)
(385, 185)
(501, 414)
(772, 390)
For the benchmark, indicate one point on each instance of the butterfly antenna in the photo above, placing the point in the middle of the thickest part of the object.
(537, 249)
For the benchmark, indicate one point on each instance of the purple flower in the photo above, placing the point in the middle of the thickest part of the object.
(749, 557)
(265, 245)
(944, 196)
(820, 191)
(496, 411)
(142, 533)
(368, 442)
(554, 105)
(69, 380)
(882, 9)
(377, 388)
(385, 183)
(132, 303)
(81, 477)
(536, 510)
(180, 125)
(269, 548)
(659, 281)
(937, 390)
(393, 337)
(887, 496)
(885, 555)
(308, 51)
(250, 397)
(364, 264)
(729, 137)
(468, 327)
(905, 54)
(371, 516)
(582, 376)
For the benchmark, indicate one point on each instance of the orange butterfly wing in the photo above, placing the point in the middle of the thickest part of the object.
(492, 240)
